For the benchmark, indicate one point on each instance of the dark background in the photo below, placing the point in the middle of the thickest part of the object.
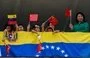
(45, 8)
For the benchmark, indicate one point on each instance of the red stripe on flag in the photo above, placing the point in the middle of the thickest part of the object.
(68, 12)
(39, 47)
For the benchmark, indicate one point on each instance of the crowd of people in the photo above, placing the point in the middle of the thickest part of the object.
(81, 26)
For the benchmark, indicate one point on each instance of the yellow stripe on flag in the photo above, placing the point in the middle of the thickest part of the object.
(12, 16)
(49, 37)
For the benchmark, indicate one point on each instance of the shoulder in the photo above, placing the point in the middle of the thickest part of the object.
(86, 23)
(5, 30)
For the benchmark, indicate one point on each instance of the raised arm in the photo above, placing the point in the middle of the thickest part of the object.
(28, 27)
(16, 27)
(4, 35)
(43, 27)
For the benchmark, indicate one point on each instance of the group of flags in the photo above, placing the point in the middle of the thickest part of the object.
(34, 17)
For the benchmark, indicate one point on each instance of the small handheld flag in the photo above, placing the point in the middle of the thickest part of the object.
(33, 17)
(12, 16)
(53, 20)
(68, 13)
(12, 19)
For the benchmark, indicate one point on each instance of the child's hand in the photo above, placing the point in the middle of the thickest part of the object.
(71, 26)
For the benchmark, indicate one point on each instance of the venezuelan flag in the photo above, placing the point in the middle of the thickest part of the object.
(63, 44)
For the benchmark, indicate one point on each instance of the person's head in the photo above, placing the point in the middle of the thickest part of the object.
(36, 28)
(10, 28)
(80, 17)
(20, 28)
(51, 25)
(49, 29)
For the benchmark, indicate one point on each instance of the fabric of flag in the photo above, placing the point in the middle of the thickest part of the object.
(12, 16)
(12, 19)
(53, 20)
(67, 12)
(33, 17)
(61, 45)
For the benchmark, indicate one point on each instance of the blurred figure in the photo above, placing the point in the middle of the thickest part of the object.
(10, 33)
(82, 25)
(19, 27)
(35, 28)
(50, 28)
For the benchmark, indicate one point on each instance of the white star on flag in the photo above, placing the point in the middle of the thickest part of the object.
(47, 46)
(43, 48)
(39, 52)
(58, 48)
(37, 55)
(62, 51)
(52, 47)
(66, 55)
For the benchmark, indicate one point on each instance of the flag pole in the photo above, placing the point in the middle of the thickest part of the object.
(47, 20)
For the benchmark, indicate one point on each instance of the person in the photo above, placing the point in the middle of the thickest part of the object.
(82, 25)
(50, 28)
(35, 29)
(19, 27)
(10, 34)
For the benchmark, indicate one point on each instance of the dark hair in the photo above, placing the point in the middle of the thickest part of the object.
(33, 27)
(82, 15)
(20, 25)
(49, 28)
(12, 28)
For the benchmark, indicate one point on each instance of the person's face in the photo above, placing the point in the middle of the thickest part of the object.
(8, 28)
(49, 30)
(51, 25)
(80, 18)
(20, 28)
(37, 29)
